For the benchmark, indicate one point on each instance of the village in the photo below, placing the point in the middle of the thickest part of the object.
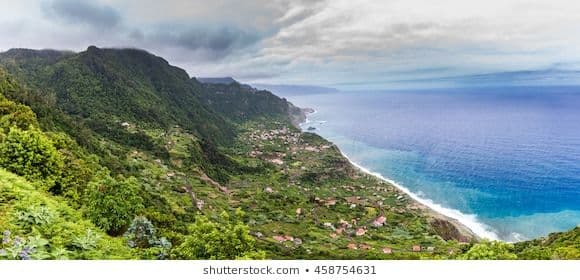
(334, 203)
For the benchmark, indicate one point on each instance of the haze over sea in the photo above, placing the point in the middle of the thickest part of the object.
(507, 158)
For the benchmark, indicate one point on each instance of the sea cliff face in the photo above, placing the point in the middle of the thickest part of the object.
(298, 115)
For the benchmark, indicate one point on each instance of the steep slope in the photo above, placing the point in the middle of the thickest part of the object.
(30, 63)
(47, 227)
(239, 102)
(106, 87)
(221, 80)
(165, 169)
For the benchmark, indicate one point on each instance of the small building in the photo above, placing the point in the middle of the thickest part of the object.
(380, 221)
(361, 231)
(279, 238)
(330, 202)
(365, 246)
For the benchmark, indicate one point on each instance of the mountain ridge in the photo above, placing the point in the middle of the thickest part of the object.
(93, 142)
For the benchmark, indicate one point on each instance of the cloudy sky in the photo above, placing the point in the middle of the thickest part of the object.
(339, 43)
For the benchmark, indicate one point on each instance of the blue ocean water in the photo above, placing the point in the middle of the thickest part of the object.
(507, 159)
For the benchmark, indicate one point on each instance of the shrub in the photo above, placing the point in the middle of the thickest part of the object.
(226, 240)
(34, 216)
(30, 154)
(112, 204)
(78, 170)
(142, 234)
(86, 242)
(28, 212)
(495, 250)
(31, 248)
(16, 115)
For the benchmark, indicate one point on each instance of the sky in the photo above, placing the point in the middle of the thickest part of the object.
(347, 44)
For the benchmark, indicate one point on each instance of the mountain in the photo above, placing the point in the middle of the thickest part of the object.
(241, 102)
(106, 87)
(114, 153)
(224, 80)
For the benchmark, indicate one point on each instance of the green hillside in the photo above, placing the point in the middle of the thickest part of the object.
(37, 225)
(115, 154)
(106, 87)
(241, 103)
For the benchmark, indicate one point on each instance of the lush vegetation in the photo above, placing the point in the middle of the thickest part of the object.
(36, 225)
(561, 245)
(226, 239)
(242, 103)
(115, 154)
(30, 154)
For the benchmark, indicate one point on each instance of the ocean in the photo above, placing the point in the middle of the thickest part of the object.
(504, 161)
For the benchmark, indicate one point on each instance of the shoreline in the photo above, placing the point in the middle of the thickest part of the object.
(465, 223)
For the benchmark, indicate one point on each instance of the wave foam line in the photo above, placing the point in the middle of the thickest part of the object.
(469, 220)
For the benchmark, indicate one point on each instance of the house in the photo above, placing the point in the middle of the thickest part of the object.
(330, 202)
(361, 231)
(365, 246)
(199, 204)
(416, 248)
(279, 238)
(353, 199)
(329, 225)
(380, 221)
(284, 238)
(387, 250)
(277, 161)
(344, 224)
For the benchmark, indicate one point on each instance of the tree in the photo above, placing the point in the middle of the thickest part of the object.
(30, 154)
(112, 203)
(78, 170)
(224, 240)
(494, 250)
(18, 115)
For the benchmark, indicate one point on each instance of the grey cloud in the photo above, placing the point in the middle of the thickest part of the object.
(405, 28)
(296, 11)
(83, 12)
(213, 43)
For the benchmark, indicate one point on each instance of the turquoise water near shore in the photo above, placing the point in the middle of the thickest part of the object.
(504, 161)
